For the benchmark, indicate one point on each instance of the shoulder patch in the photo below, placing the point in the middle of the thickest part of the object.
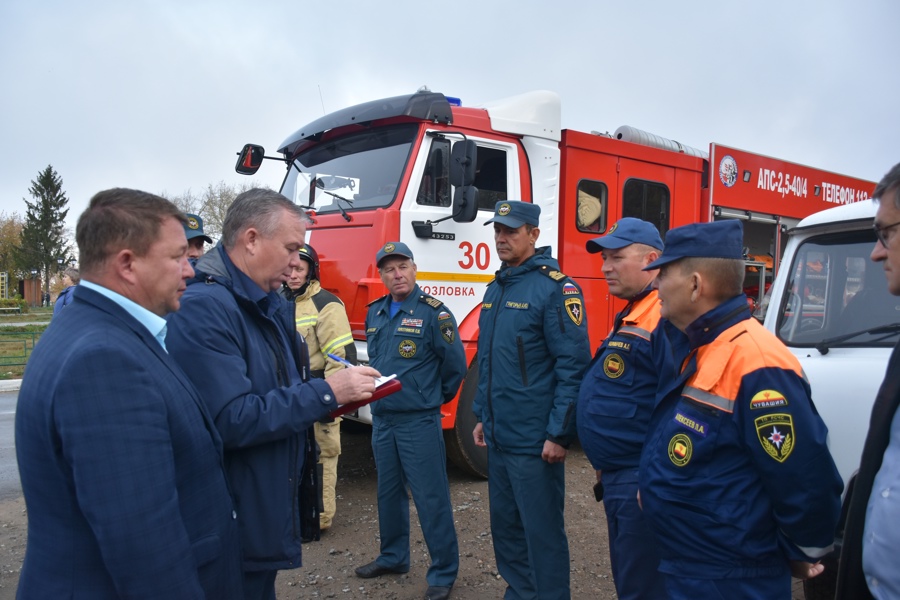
(553, 273)
(430, 301)
(377, 300)
(776, 434)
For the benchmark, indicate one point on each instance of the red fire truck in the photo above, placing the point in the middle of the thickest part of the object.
(425, 170)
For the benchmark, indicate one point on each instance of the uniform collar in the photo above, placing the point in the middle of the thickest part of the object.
(708, 326)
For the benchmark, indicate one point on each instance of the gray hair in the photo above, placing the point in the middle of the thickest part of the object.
(260, 208)
(890, 181)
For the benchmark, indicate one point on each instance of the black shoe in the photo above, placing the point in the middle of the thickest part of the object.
(373, 569)
(438, 592)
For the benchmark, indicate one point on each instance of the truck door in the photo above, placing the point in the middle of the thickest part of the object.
(456, 260)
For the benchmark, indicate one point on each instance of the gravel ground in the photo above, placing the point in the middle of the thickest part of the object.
(352, 541)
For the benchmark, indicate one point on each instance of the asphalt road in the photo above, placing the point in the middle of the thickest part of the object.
(9, 470)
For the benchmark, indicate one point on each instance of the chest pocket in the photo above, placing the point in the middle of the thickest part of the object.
(613, 373)
(409, 339)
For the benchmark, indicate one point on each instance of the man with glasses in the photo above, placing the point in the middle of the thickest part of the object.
(868, 565)
(414, 336)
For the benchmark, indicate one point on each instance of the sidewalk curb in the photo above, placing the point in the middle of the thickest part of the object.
(10, 385)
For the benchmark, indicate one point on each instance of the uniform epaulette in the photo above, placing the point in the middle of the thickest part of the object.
(430, 301)
(377, 300)
(553, 273)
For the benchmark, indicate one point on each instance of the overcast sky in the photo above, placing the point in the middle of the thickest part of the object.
(160, 95)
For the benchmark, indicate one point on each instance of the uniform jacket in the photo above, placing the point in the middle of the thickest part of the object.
(735, 476)
(321, 319)
(532, 352)
(421, 345)
(851, 579)
(619, 388)
(121, 467)
(238, 362)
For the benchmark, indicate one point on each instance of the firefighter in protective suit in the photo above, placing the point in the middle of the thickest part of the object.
(322, 321)
(735, 476)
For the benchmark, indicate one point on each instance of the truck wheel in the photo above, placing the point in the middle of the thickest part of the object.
(461, 448)
(824, 586)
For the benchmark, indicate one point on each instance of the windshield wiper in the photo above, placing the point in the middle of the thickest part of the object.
(339, 200)
(885, 331)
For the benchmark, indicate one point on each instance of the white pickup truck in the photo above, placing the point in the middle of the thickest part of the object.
(830, 305)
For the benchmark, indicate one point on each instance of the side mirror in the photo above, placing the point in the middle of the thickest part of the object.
(462, 163)
(465, 204)
(249, 159)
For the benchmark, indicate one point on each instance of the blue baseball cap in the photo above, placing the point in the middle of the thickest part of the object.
(625, 232)
(393, 249)
(194, 228)
(719, 239)
(515, 213)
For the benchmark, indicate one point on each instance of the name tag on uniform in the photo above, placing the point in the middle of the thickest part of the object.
(517, 305)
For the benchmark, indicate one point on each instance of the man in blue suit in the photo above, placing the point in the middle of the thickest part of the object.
(121, 466)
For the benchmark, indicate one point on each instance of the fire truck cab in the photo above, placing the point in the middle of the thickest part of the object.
(427, 171)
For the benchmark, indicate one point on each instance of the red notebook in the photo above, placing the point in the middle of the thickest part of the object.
(385, 389)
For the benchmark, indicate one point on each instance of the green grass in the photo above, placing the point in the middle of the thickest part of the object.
(17, 341)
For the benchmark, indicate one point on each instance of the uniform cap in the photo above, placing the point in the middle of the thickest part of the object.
(393, 249)
(515, 213)
(719, 239)
(194, 228)
(625, 232)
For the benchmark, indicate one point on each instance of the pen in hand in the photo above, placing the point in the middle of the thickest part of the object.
(343, 361)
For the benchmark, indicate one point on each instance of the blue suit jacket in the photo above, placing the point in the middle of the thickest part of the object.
(121, 467)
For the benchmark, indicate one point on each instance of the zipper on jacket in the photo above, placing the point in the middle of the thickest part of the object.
(520, 344)
(559, 319)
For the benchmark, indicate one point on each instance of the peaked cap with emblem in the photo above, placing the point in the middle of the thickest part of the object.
(393, 249)
(194, 228)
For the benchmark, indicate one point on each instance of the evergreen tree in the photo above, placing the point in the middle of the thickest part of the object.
(44, 247)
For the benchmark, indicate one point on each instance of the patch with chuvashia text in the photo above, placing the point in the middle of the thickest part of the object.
(575, 310)
(613, 366)
(767, 399)
(569, 289)
(695, 425)
(776, 434)
(443, 315)
(407, 348)
(680, 449)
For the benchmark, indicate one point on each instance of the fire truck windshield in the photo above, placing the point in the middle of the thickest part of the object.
(360, 170)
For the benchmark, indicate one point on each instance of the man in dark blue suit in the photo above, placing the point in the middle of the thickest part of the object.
(121, 466)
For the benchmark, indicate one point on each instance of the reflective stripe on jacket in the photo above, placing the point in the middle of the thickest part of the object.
(736, 477)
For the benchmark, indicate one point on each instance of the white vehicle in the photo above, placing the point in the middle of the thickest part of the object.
(830, 305)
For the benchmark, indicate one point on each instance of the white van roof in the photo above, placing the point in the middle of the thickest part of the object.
(857, 211)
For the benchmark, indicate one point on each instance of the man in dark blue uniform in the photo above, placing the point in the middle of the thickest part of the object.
(616, 400)
(414, 336)
(735, 476)
(532, 351)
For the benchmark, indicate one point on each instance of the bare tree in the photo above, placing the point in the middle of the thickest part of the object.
(211, 204)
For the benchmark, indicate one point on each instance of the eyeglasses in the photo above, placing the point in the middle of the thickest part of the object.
(879, 233)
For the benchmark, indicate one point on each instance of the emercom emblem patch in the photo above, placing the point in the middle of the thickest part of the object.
(575, 310)
(776, 434)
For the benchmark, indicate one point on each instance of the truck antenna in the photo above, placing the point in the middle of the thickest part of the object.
(320, 99)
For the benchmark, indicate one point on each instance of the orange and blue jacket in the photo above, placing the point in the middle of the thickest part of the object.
(619, 388)
(735, 476)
